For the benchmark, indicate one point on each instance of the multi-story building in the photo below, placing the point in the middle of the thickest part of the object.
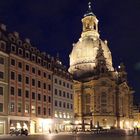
(4, 64)
(26, 85)
(62, 98)
(102, 94)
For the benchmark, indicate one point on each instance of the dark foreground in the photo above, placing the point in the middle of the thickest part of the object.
(69, 137)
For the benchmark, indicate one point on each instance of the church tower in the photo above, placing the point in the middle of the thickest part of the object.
(83, 55)
(102, 96)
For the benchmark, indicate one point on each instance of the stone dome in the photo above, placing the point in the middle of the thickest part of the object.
(83, 56)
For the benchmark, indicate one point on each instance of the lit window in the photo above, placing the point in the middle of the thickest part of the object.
(12, 107)
(27, 108)
(33, 109)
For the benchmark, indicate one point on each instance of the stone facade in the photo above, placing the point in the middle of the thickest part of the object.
(26, 85)
(102, 95)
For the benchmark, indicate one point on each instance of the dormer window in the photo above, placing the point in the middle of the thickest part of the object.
(27, 54)
(33, 57)
(13, 48)
(20, 51)
(19, 42)
(12, 38)
(39, 60)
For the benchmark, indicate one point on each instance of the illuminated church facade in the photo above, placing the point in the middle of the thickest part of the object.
(102, 96)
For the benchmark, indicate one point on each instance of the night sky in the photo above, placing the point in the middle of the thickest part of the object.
(53, 25)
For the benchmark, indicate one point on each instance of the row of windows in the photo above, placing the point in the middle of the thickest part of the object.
(27, 110)
(30, 56)
(33, 69)
(33, 81)
(34, 95)
(62, 83)
(63, 94)
(63, 115)
(63, 104)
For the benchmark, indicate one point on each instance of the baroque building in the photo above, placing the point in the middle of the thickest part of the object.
(102, 96)
(26, 85)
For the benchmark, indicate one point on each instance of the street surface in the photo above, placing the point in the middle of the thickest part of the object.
(69, 137)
